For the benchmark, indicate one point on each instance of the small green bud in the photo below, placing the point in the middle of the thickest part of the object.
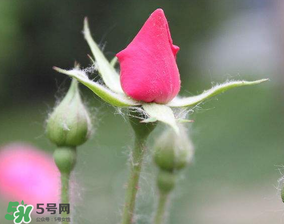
(166, 181)
(65, 159)
(69, 124)
(173, 151)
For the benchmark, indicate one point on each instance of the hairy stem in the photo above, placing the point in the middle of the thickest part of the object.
(65, 188)
(65, 159)
(65, 177)
(132, 185)
(161, 209)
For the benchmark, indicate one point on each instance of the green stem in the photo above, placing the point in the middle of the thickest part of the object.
(65, 159)
(65, 178)
(132, 185)
(65, 188)
(161, 209)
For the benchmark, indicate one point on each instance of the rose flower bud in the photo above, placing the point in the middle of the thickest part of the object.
(69, 124)
(148, 65)
(172, 151)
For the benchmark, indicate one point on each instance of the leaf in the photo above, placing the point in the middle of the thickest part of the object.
(161, 113)
(190, 101)
(106, 70)
(115, 99)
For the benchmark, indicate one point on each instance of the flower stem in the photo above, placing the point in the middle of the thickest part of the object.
(165, 183)
(65, 159)
(132, 185)
(161, 209)
(142, 131)
(65, 178)
(65, 187)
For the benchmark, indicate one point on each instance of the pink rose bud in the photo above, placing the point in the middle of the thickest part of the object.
(28, 174)
(148, 66)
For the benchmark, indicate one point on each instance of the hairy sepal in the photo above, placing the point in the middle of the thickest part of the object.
(193, 100)
(162, 113)
(106, 70)
(115, 99)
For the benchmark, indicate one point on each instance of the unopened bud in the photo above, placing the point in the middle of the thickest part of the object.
(69, 124)
(173, 151)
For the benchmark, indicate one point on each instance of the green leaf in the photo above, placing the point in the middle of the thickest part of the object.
(161, 113)
(115, 99)
(106, 70)
(190, 101)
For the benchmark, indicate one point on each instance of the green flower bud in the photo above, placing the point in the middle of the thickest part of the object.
(65, 159)
(166, 181)
(172, 151)
(69, 124)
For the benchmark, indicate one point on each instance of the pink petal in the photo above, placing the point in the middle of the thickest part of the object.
(28, 174)
(148, 66)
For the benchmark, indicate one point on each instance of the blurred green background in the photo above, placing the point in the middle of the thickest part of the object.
(238, 136)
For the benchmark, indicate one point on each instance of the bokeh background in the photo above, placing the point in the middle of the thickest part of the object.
(238, 136)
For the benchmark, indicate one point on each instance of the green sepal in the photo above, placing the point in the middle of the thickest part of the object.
(160, 113)
(185, 121)
(115, 99)
(106, 70)
(193, 100)
(149, 120)
(113, 62)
